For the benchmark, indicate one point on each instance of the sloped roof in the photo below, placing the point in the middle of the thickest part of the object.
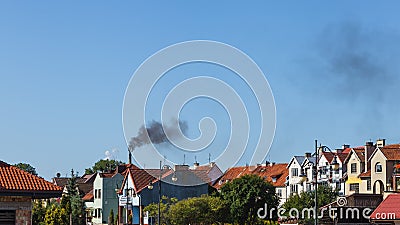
(88, 197)
(16, 181)
(365, 174)
(277, 171)
(389, 206)
(391, 152)
(268, 172)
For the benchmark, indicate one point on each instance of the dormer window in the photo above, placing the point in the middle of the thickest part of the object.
(274, 179)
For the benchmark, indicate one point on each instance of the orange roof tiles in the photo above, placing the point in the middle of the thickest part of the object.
(268, 172)
(366, 174)
(391, 152)
(13, 179)
(389, 206)
(88, 197)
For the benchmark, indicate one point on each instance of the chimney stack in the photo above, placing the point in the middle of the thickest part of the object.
(345, 146)
(380, 143)
(195, 165)
(307, 155)
(369, 148)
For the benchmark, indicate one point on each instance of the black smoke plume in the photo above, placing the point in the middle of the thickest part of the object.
(155, 133)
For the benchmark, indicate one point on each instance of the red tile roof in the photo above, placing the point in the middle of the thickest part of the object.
(15, 180)
(88, 197)
(365, 174)
(390, 205)
(277, 171)
(391, 152)
(360, 154)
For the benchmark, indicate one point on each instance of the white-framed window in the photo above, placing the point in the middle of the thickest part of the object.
(293, 188)
(353, 168)
(295, 172)
(378, 167)
(279, 193)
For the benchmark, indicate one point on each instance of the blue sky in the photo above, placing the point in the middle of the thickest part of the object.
(332, 66)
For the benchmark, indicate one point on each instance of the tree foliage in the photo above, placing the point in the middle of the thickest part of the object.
(72, 201)
(164, 207)
(38, 212)
(26, 167)
(56, 215)
(307, 200)
(103, 165)
(199, 210)
(245, 195)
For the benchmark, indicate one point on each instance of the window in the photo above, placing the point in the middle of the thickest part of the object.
(378, 167)
(274, 179)
(99, 194)
(279, 193)
(293, 188)
(369, 184)
(354, 187)
(295, 172)
(353, 168)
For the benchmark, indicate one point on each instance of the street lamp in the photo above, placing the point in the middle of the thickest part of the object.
(150, 186)
(334, 165)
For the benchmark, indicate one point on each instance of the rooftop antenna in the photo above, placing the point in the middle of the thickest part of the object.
(209, 158)
(184, 159)
(195, 159)
(164, 159)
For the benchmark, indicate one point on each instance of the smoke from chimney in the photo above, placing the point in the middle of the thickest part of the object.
(155, 133)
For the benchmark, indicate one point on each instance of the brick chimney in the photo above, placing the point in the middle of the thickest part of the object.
(307, 155)
(369, 148)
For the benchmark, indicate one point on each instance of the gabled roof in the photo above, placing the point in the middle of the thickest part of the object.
(331, 156)
(308, 160)
(359, 152)
(389, 206)
(208, 173)
(299, 159)
(277, 172)
(391, 152)
(17, 182)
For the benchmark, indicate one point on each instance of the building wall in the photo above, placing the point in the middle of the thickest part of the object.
(97, 202)
(378, 157)
(109, 196)
(353, 159)
(22, 207)
(283, 195)
(293, 179)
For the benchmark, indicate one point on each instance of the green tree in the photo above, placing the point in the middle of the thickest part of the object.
(111, 217)
(56, 215)
(245, 195)
(103, 165)
(198, 210)
(72, 202)
(164, 207)
(38, 212)
(307, 200)
(26, 167)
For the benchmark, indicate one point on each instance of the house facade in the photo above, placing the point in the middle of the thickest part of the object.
(105, 197)
(17, 190)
